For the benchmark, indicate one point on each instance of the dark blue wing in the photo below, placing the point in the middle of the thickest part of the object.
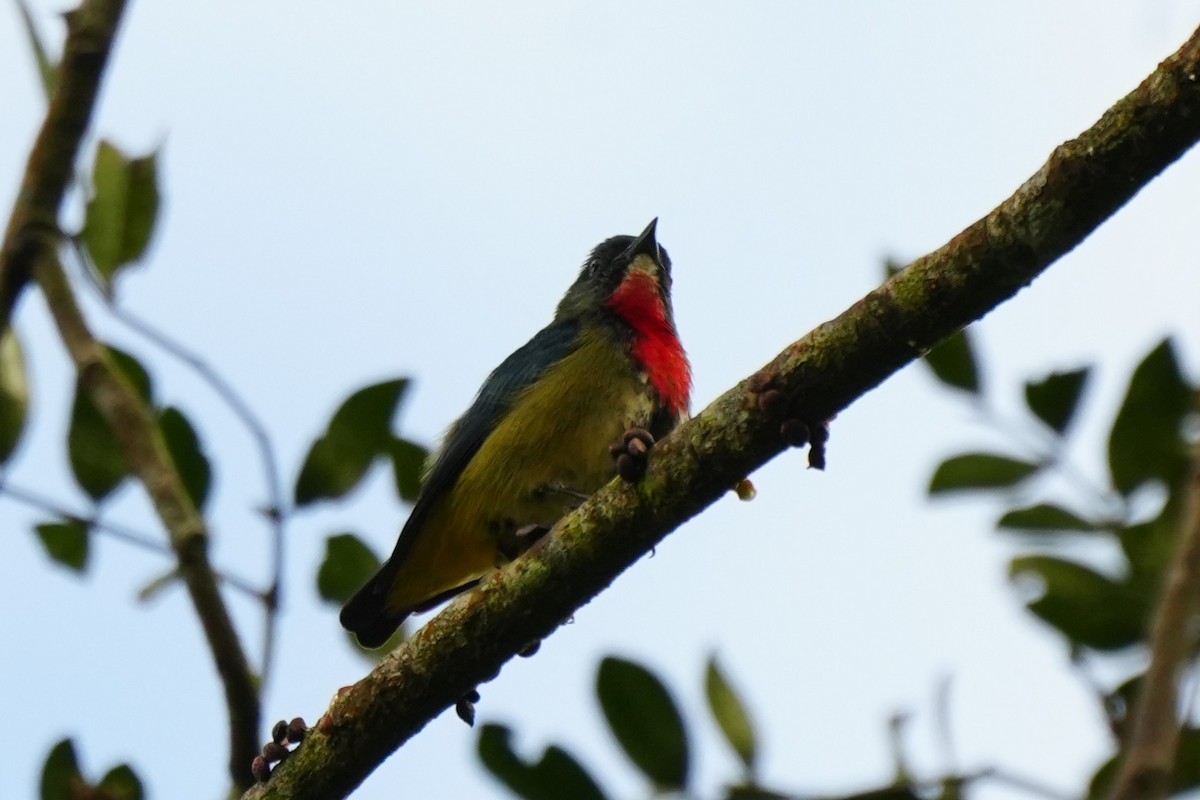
(525, 366)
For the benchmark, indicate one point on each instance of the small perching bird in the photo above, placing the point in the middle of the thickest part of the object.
(539, 438)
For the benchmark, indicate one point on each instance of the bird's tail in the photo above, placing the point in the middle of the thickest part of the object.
(370, 617)
(367, 614)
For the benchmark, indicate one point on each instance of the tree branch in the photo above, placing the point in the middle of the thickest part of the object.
(33, 226)
(1082, 184)
(1148, 753)
(135, 427)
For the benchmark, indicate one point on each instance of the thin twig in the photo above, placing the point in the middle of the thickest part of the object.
(114, 531)
(277, 511)
(133, 423)
(1148, 752)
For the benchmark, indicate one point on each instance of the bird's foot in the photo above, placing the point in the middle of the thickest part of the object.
(795, 431)
(632, 453)
(514, 543)
(282, 734)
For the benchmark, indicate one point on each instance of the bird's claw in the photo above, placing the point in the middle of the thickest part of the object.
(795, 431)
(632, 453)
(519, 541)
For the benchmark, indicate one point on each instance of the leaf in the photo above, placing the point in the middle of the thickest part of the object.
(122, 211)
(61, 779)
(14, 394)
(121, 783)
(645, 721)
(1145, 443)
(47, 69)
(408, 467)
(65, 542)
(359, 432)
(554, 776)
(953, 362)
(1055, 398)
(973, 471)
(731, 714)
(156, 586)
(1044, 518)
(97, 461)
(347, 565)
(184, 446)
(1086, 607)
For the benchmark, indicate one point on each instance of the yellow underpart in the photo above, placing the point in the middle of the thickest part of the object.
(557, 433)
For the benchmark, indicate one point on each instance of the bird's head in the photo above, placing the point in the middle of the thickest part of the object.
(627, 278)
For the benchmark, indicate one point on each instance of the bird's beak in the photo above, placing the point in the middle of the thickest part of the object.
(645, 244)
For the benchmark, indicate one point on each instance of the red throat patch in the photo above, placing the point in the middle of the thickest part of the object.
(656, 346)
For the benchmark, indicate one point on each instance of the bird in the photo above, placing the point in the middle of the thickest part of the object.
(605, 379)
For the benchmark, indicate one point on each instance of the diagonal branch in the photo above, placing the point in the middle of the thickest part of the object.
(33, 226)
(1083, 183)
(1148, 754)
(136, 429)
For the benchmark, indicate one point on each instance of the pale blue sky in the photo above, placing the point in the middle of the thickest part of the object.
(356, 191)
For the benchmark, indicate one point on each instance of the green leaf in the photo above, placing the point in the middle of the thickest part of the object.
(184, 446)
(1146, 442)
(65, 542)
(14, 394)
(61, 779)
(121, 214)
(554, 776)
(159, 584)
(97, 462)
(47, 69)
(974, 471)
(359, 432)
(953, 362)
(121, 783)
(347, 565)
(645, 721)
(1086, 607)
(408, 467)
(1044, 518)
(731, 714)
(1055, 398)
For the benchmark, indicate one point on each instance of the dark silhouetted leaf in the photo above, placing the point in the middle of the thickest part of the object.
(97, 462)
(1145, 442)
(1055, 398)
(974, 471)
(347, 566)
(645, 721)
(121, 214)
(953, 362)
(184, 446)
(731, 714)
(121, 783)
(408, 467)
(1086, 607)
(14, 394)
(556, 775)
(1044, 518)
(65, 542)
(47, 69)
(359, 432)
(61, 779)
